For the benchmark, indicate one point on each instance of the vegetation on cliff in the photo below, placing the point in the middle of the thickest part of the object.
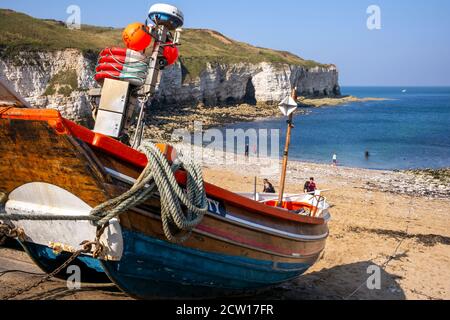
(63, 83)
(20, 32)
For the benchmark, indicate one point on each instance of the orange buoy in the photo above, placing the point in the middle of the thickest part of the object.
(136, 36)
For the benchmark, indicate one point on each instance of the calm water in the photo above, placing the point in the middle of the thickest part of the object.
(410, 131)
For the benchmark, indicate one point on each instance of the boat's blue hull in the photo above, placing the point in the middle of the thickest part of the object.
(91, 270)
(153, 268)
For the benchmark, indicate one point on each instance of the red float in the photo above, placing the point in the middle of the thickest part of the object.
(114, 51)
(109, 67)
(170, 53)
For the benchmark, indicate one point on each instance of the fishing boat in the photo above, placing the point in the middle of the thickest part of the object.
(55, 173)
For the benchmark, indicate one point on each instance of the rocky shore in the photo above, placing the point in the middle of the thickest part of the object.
(162, 120)
(432, 183)
(429, 183)
(337, 101)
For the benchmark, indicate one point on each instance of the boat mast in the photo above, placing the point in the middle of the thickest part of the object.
(121, 102)
(149, 89)
(285, 105)
(168, 21)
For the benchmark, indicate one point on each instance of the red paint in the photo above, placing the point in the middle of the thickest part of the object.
(107, 144)
(292, 206)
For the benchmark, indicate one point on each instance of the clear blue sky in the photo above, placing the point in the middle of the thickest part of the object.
(412, 48)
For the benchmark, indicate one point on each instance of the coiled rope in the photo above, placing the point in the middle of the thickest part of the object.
(159, 176)
(181, 211)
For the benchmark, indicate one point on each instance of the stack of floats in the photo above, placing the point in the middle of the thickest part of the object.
(122, 64)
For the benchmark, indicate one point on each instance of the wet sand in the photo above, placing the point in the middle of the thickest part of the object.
(407, 236)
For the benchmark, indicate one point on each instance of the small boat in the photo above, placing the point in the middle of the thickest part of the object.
(55, 173)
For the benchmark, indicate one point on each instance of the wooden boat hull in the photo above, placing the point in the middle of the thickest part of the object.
(153, 268)
(241, 244)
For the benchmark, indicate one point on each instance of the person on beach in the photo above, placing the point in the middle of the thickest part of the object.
(335, 159)
(268, 187)
(247, 150)
(312, 186)
(306, 187)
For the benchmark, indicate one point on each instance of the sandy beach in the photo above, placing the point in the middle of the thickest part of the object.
(378, 218)
(407, 236)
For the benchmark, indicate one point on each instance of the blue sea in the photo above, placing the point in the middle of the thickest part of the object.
(410, 130)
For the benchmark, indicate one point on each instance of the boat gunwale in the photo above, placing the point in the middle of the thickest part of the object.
(117, 149)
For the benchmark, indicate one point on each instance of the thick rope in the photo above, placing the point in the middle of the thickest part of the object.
(181, 211)
(159, 176)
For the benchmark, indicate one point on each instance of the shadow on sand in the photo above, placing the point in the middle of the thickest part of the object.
(347, 282)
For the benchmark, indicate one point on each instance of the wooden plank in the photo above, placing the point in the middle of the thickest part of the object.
(32, 151)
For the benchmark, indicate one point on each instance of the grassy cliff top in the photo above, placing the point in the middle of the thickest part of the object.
(22, 32)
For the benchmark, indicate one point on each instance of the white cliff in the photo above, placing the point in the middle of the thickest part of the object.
(31, 74)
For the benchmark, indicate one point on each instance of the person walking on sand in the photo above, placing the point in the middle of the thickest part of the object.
(335, 159)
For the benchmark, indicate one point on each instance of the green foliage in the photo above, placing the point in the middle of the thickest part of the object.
(22, 32)
(63, 83)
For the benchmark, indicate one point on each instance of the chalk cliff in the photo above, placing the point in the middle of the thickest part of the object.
(53, 67)
(60, 80)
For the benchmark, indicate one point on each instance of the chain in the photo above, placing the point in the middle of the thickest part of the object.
(7, 231)
(95, 247)
(44, 279)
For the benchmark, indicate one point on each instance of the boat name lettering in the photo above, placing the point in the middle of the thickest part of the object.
(216, 207)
